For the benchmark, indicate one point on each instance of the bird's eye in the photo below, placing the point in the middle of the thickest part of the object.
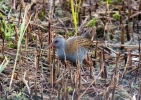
(55, 41)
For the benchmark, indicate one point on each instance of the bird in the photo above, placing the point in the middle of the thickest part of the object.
(74, 49)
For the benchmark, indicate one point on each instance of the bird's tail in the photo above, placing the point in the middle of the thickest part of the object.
(91, 33)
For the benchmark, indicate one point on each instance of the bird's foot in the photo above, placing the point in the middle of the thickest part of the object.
(89, 64)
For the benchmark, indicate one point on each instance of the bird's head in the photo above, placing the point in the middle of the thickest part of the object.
(58, 42)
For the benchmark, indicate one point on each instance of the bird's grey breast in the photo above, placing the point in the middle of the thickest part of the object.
(61, 53)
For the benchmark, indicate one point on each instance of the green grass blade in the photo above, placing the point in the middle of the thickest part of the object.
(74, 15)
(4, 64)
(22, 31)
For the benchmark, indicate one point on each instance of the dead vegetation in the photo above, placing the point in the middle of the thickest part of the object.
(29, 71)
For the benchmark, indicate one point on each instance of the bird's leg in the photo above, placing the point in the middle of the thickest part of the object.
(87, 62)
(89, 65)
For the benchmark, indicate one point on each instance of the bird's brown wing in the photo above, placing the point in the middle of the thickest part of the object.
(73, 43)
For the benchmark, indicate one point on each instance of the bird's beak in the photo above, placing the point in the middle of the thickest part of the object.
(51, 45)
